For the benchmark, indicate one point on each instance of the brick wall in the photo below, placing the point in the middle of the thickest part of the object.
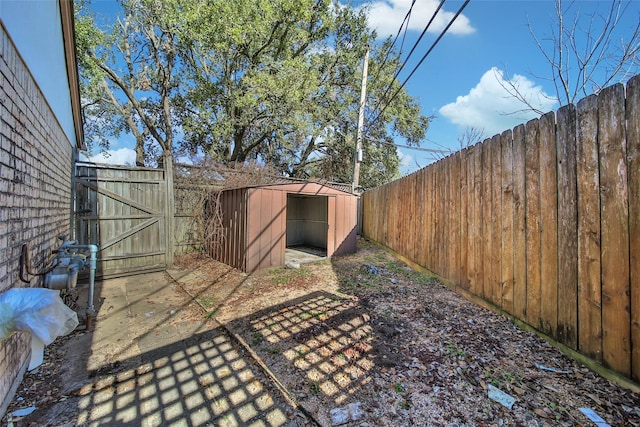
(35, 192)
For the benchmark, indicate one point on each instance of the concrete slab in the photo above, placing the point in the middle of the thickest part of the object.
(304, 254)
(148, 362)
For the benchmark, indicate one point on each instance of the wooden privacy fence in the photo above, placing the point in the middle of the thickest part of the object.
(542, 221)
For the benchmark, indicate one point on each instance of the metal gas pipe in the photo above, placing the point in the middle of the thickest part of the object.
(68, 263)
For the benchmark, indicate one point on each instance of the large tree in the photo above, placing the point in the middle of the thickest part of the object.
(277, 81)
(129, 78)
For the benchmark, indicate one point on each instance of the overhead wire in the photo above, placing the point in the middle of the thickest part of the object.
(421, 60)
(410, 147)
(406, 19)
(415, 45)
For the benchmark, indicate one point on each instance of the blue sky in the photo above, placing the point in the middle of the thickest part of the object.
(461, 82)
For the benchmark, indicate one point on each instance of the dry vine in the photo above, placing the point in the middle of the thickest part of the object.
(197, 197)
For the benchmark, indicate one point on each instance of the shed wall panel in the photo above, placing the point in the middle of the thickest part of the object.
(331, 234)
(255, 222)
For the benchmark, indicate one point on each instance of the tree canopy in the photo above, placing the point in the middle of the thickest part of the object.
(273, 81)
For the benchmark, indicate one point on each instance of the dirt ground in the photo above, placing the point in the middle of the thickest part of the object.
(388, 346)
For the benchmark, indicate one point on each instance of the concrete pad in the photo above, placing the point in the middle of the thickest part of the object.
(148, 362)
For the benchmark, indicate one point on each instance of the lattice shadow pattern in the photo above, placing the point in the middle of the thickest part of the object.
(203, 381)
(326, 340)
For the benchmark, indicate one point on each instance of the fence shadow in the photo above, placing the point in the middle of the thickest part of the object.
(324, 342)
(203, 380)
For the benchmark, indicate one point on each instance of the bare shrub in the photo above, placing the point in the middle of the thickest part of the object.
(197, 199)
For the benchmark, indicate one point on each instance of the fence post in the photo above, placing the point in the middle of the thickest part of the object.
(169, 211)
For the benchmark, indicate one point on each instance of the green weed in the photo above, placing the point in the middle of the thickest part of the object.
(211, 313)
(456, 352)
(257, 338)
(207, 301)
(314, 388)
(289, 276)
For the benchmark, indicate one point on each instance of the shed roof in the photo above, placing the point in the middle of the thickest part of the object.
(302, 187)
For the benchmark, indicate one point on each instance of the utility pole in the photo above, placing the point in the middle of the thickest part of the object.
(363, 97)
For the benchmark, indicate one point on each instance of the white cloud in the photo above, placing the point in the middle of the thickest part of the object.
(386, 16)
(406, 162)
(491, 107)
(122, 156)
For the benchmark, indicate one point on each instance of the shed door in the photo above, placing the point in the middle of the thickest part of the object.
(307, 220)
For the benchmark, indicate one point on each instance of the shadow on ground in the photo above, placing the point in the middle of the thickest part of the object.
(208, 345)
(320, 337)
(154, 359)
(203, 380)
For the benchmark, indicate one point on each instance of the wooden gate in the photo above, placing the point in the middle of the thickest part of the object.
(126, 211)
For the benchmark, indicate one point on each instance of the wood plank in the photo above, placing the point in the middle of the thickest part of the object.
(399, 208)
(420, 212)
(437, 203)
(506, 256)
(519, 237)
(548, 226)
(487, 219)
(532, 221)
(397, 215)
(478, 254)
(430, 215)
(113, 197)
(394, 209)
(567, 227)
(464, 219)
(412, 218)
(386, 217)
(496, 221)
(415, 203)
(435, 199)
(633, 162)
(454, 218)
(469, 232)
(169, 241)
(616, 328)
(588, 190)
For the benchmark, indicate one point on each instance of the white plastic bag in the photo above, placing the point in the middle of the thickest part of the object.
(38, 311)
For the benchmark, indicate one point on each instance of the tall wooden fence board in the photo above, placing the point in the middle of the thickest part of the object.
(633, 168)
(478, 260)
(548, 226)
(506, 233)
(532, 221)
(567, 235)
(614, 226)
(542, 221)
(519, 237)
(588, 178)
(496, 221)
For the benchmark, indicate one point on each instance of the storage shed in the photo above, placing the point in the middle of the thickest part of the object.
(259, 223)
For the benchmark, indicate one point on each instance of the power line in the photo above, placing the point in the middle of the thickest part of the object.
(415, 45)
(410, 147)
(388, 51)
(421, 60)
(428, 150)
(407, 18)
